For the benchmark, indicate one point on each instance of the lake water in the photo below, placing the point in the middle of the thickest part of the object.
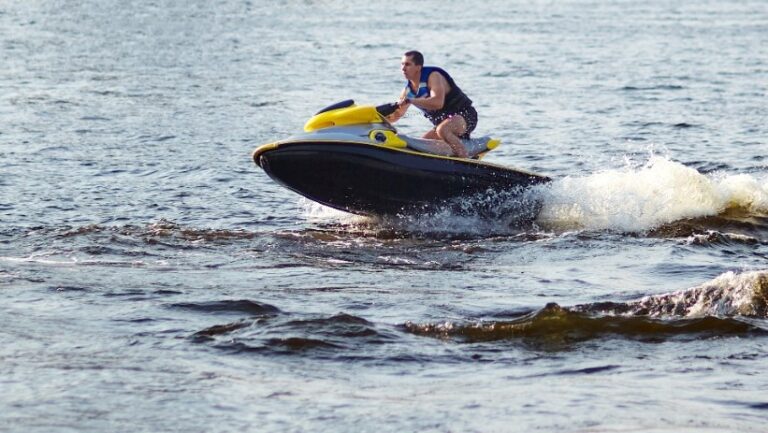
(154, 279)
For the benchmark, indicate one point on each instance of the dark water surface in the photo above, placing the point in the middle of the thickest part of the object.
(154, 279)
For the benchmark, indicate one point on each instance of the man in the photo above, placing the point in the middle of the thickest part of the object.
(433, 91)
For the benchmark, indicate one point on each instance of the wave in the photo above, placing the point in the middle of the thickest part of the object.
(157, 230)
(729, 295)
(731, 304)
(554, 325)
(341, 336)
(229, 306)
(161, 231)
(158, 245)
(652, 87)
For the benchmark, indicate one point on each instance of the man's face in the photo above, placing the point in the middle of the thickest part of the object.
(410, 69)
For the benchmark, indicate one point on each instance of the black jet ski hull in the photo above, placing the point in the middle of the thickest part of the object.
(376, 181)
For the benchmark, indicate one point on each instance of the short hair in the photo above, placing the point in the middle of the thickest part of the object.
(417, 57)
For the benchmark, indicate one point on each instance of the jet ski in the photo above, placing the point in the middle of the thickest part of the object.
(350, 158)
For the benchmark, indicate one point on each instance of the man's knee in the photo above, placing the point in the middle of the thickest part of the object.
(456, 125)
(444, 129)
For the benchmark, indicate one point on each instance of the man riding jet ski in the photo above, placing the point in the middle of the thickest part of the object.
(432, 90)
(351, 158)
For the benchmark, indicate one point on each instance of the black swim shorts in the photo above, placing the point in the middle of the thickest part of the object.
(468, 113)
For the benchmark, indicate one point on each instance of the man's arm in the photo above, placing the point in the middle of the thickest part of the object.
(438, 88)
(401, 109)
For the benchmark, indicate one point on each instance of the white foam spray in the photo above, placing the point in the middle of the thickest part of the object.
(449, 220)
(317, 213)
(730, 294)
(637, 199)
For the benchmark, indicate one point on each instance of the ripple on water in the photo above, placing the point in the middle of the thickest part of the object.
(341, 336)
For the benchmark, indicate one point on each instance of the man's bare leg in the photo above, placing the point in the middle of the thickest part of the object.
(439, 146)
(449, 131)
(446, 137)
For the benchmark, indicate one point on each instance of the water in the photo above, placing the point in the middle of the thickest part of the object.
(154, 279)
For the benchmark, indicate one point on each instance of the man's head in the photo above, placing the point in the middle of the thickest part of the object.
(416, 57)
(411, 65)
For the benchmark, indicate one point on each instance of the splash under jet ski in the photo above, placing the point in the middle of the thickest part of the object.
(352, 159)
